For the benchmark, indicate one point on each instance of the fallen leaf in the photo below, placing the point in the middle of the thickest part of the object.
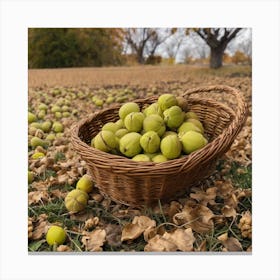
(30, 227)
(91, 222)
(137, 227)
(205, 197)
(150, 233)
(245, 224)
(183, 239)
(63, 248)
(40, 227)
(82, 216)
(231, 244)
(160, 244)
(93, 241)
(113, 234)
(224, 188)
(228, 211)
(179, 240)
(231, 201)
(131, 232)
(198, 217)
(174, 208)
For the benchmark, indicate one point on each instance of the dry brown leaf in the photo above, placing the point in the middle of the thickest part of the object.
(183, 239)
(160, 244)
(30, 227)
(150, 233)
(62, 179)
(245, 224)
(93, 241)
(231, 201)
(37, 196)
(198, 217)
(40, 227)
(205, 197)
(91, 222)
(63, 248)
(40, 185)
(144, 222)
(180, 239)
(137, 227)
(228, 211)
(174, 208)
(58, 193)
(131, 232)
(231, 244)
(81, 216)
(224, 188)
(113, 234)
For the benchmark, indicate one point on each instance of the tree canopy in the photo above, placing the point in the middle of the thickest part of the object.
(74, 47)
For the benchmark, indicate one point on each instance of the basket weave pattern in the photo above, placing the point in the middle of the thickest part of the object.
(144, 183)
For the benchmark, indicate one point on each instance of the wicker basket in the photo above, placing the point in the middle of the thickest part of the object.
(144, 183)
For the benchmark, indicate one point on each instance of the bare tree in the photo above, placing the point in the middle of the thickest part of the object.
(144, 41)
(174, 44)
(217, 39)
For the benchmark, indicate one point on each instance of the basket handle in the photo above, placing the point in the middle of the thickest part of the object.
(242, 107)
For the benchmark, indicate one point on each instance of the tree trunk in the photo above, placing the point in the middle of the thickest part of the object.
(216, 57)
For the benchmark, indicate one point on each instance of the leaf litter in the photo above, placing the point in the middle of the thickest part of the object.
(215, 216)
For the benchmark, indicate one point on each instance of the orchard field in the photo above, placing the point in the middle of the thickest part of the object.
(215, 217)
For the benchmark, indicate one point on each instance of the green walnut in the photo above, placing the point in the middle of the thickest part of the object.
(150, 142)
(105, 141)
(55, 235)
(36, 141)
(154, 123)
(121, 132)
(133, 122)
(197, 123)
(141, 157)
(166, 101)
(159, 158)
(119, 123)
(110, 126)
(128, 108)
(43, 106)
(191, 115)
(85, 184)
(31, 117)
(171, 147)
(153, 109)
(55, 109)
(173, 117)
(130, 144)
(57, 127)
(46, 126)
(187, 126)
(193, 141)
(76, 200)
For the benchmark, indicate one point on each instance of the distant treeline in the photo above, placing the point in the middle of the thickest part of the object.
(74, 47)
(96, 47)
